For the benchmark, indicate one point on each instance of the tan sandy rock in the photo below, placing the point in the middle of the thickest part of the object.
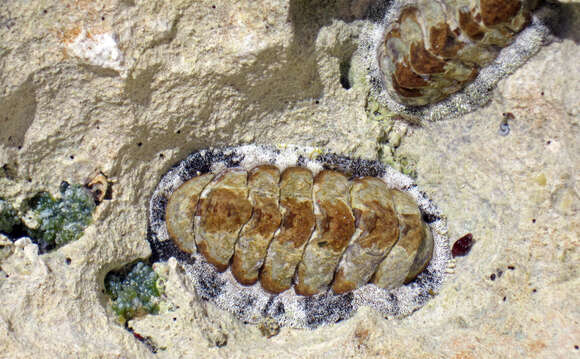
(196, 74)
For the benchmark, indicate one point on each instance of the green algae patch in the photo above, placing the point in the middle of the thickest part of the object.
(134, 293)
(8, 217)
(52, 223)
(378, 112)
(393, 134)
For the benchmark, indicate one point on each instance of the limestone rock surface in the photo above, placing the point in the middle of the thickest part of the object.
(130, 87)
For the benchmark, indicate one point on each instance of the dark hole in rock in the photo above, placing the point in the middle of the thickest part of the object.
(344, 70)
(109, 193)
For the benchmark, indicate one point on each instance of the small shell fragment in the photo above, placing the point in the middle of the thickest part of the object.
(462, 246)
(99, 186)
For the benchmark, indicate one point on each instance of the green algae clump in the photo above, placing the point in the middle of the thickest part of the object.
(136, 293)
(8, 217)
(58, 222)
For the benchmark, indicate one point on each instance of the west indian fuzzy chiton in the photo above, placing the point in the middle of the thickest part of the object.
(439, 58)
(298, 236)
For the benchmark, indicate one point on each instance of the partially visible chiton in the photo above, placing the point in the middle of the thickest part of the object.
(435, 47)
(322, 228)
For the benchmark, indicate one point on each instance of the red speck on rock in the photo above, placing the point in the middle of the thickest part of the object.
(462, 246)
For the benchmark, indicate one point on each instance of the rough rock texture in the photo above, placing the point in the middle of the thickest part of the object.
(131, 87)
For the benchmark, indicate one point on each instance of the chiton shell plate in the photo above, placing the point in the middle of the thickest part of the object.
(253, 183)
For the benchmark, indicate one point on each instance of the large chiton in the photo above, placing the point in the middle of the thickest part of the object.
(277, 233)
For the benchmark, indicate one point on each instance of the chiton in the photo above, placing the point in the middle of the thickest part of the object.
(436, 59)
(435, 47)
(272, 232)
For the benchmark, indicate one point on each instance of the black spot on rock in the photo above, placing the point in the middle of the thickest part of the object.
(268, 305)
(301, 161)
(231, 159)
(427, 279)
(344, 78)
(409, 187)
(273, 308)
(162, 251)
